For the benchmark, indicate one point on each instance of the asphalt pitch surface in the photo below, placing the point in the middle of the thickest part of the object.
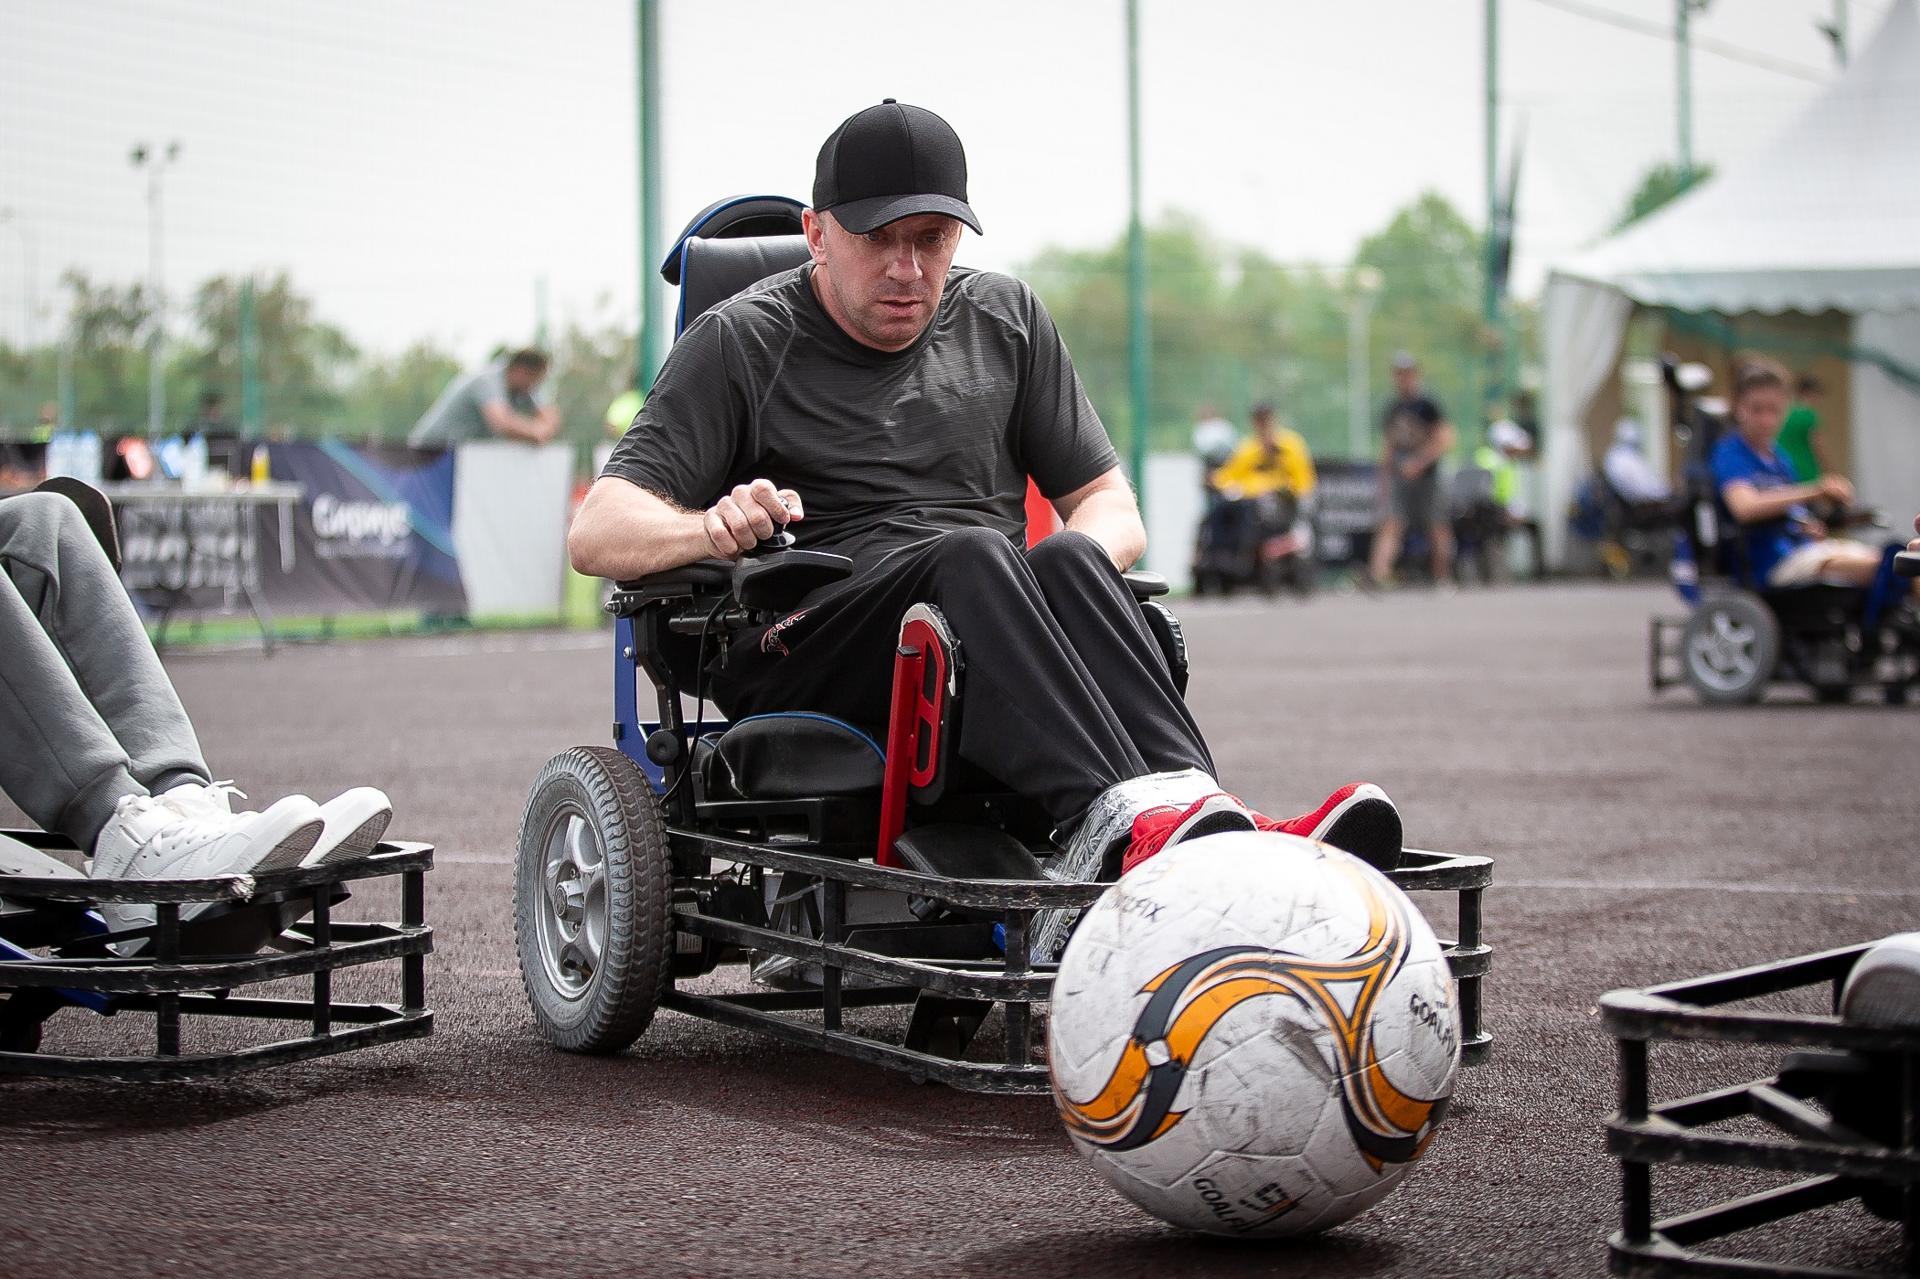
(1636, 840)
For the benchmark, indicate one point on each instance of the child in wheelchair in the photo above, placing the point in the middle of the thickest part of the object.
(95, 745)
(1786, 544)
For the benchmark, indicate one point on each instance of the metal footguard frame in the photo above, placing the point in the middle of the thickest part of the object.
(1643, 1133)
(1015, 982)
(173, 987)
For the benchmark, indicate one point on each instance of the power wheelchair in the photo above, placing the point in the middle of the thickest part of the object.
(1740, 635)
(206, 944)
(851, 874)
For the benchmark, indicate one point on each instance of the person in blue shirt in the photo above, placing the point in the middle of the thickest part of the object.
(1785, 544)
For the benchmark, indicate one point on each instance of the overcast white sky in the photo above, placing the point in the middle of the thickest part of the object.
(419, 164)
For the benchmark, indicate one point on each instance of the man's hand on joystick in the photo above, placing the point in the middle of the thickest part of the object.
(752, 514)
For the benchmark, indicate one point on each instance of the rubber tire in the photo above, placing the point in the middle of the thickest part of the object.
(636, 970)
(1745, 609)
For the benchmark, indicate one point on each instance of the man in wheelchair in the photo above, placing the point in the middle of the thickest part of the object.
(883, 404)
(1785, 544)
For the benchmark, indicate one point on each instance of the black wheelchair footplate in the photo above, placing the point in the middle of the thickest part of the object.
(1849, 1113)
(949, 948)
(57, 954)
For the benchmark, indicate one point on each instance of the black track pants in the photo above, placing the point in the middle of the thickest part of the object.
(1065, 691)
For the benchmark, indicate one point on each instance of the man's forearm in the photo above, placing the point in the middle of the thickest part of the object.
(624, 532)
(1114, 522)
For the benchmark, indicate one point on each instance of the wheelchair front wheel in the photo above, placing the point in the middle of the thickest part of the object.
(1730, 647)
(593, 889)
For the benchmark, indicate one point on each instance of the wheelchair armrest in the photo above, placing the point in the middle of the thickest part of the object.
(1146, 586)
(777, 581)
(702, 577)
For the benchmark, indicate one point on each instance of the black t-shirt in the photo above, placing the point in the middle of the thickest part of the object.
(1410, 423)
(886, 449)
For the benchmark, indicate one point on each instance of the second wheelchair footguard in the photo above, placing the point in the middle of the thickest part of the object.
(1840, 1108)
(210, 940)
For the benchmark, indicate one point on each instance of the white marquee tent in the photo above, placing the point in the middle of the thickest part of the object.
(1824, 217)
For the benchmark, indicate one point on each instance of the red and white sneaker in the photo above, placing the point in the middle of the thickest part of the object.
(1156, 829)
(1358, 818)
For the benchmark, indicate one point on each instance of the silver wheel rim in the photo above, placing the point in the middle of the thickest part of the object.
(1725, 653)
(573, 895)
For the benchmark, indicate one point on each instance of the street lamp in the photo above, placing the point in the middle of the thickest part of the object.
(1363, 284)
(156, 163)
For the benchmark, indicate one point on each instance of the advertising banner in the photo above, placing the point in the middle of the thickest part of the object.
(372, 531)
(1347, 508)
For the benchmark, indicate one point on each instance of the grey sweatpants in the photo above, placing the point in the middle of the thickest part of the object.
(87, 714)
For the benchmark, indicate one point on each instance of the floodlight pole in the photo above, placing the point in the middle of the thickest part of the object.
(647, 350)
(252, 406)
(1138, 368)
(156, 163)
(1492, 335)
(1362, 284)
(28, 264)
(1683, 52)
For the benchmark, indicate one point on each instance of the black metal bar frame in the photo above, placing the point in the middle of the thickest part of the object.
(813, 1018)
(175, 988)
(1642, 1132)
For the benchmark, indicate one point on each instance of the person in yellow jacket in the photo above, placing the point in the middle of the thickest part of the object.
(1275, 459)
(1254, 519)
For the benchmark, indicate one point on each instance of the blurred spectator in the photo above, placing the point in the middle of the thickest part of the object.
(221, 433)
(1495, 504)
(23, 463)
(1213, 440)
(620, 413)
(1417, 436)
(1275, 459)
(495, 400)
(1801, 443)
(1256, 507)
(1627, 470)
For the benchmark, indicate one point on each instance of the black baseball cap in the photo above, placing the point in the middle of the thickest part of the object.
(890, 162)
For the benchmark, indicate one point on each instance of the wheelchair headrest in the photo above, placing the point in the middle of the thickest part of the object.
(736, 217)
(711, 271)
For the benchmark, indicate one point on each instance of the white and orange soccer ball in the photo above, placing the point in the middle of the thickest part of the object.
(1253, 1034)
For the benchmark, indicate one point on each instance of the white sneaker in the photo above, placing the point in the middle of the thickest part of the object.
(283, 823)
(355, 822)
(149, 838)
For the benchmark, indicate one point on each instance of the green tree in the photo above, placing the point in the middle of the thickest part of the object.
(1660, 185)
(1430, 260)
(1232, 326)
(107, 325)
(592, 363)
(388, 394)
(304, 362)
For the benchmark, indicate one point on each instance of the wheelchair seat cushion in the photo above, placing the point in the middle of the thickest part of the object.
(1815, 600)
(797, 755)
